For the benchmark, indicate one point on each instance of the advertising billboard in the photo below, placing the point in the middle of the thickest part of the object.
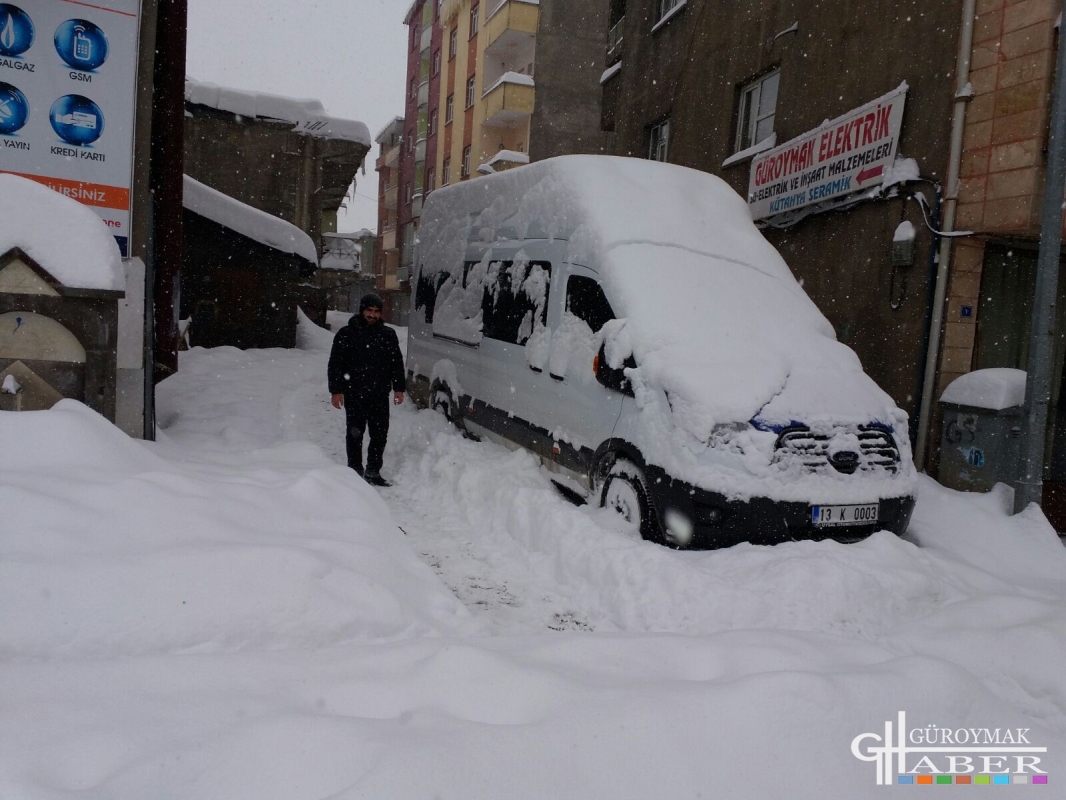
(841, 156)
(68, 80)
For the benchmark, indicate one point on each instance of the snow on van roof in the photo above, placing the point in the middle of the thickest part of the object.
(713, 315)
(85, 256)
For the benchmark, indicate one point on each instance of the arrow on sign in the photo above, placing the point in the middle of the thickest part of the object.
(867, 174)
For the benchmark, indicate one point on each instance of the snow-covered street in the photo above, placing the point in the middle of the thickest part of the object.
(231, 613)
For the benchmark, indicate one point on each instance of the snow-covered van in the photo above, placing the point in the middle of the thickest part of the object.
(625, 321)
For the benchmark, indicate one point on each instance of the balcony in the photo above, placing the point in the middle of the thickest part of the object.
(390, 158)
(391, 198)
(614, 42)
(512, 25)
(509, 101)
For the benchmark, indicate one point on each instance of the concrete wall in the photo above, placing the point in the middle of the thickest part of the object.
(571, 46)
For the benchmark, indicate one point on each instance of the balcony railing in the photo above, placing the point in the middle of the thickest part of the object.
(513, 23)
(509, 101)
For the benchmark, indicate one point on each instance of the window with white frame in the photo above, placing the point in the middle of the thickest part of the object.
(758, 105)
(465, 173)
(433, 122)
(471, 82)
(436, 62)
(475, 19)
(449, 109)
(659, 140)
(446, 175)
(453, 43)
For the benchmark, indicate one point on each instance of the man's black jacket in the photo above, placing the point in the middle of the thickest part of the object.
(365, 361)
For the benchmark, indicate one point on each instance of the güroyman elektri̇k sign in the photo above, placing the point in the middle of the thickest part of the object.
(68, 80)
(841, 156)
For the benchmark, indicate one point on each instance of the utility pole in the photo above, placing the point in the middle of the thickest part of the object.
(1030, 485)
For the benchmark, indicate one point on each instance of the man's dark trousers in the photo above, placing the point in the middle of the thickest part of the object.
(364, 413)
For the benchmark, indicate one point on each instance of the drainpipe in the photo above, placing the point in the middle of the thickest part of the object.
(1030, 486)
(951, 199)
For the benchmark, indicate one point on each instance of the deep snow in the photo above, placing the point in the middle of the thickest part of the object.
(229, 613)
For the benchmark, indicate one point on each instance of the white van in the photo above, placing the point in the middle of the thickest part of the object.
(625, 321)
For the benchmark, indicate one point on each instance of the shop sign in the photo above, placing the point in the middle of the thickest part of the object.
(68, 82)
(848, 154)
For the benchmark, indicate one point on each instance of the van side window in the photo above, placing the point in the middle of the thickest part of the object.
(586, 301)
(515, 302)
(426, 292)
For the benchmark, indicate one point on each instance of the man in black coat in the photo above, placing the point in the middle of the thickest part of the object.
(364, 365)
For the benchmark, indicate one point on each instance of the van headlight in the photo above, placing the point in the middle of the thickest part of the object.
(678, 527)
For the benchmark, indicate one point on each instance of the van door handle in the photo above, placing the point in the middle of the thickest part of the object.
(557, 377)
(535, 369)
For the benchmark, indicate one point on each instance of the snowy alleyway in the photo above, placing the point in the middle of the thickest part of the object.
(229, 613)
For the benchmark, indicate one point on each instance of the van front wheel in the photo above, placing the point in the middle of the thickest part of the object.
(625, 491)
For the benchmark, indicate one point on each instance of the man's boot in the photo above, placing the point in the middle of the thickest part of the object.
(373, 477)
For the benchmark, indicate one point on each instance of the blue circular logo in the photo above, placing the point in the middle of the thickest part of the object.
(16, 30)
(81, 44)
(77, 120)
(14, 108)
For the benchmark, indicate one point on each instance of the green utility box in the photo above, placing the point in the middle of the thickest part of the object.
(981, 436)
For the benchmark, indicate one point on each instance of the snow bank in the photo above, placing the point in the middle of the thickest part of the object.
(247, 221)
(996, 389)
(307, 115)
(86, 256)
(721, 331)
(207, 617)
(111, 548)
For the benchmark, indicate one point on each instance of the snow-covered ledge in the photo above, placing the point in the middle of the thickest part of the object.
(516, 78)
(610, 72)
(669, 15)
(501, 3)
(248, 221)
(768, 143)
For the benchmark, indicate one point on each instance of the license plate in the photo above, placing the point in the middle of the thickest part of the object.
(834, 516)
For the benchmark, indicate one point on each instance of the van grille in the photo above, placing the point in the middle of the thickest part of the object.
(877, 448)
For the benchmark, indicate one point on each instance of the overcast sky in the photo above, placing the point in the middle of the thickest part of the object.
(350, 54)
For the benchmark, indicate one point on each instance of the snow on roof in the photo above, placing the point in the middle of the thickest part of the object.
(85, 256)
(995, 389)
(307, 115)
(509, 157)
(611, 71)
(251, 222)
(384, 131)
(713, 315)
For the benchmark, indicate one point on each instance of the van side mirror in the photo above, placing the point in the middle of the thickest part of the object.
(614, 379)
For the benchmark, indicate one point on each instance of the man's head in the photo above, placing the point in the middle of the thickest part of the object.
(370, 308)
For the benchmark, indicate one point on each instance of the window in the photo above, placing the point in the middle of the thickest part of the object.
(414, 88)
(758, 104)
(471, 82)
(659, 140)
(449, 109)
(474, 19)
(465, 173)
(436, 62)
(408, 194)
(430, 177)
(453, 43)
(666, 6)
(586, 301)
(515, 300)
(426, 292)
(446, 175)
(432, 122)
